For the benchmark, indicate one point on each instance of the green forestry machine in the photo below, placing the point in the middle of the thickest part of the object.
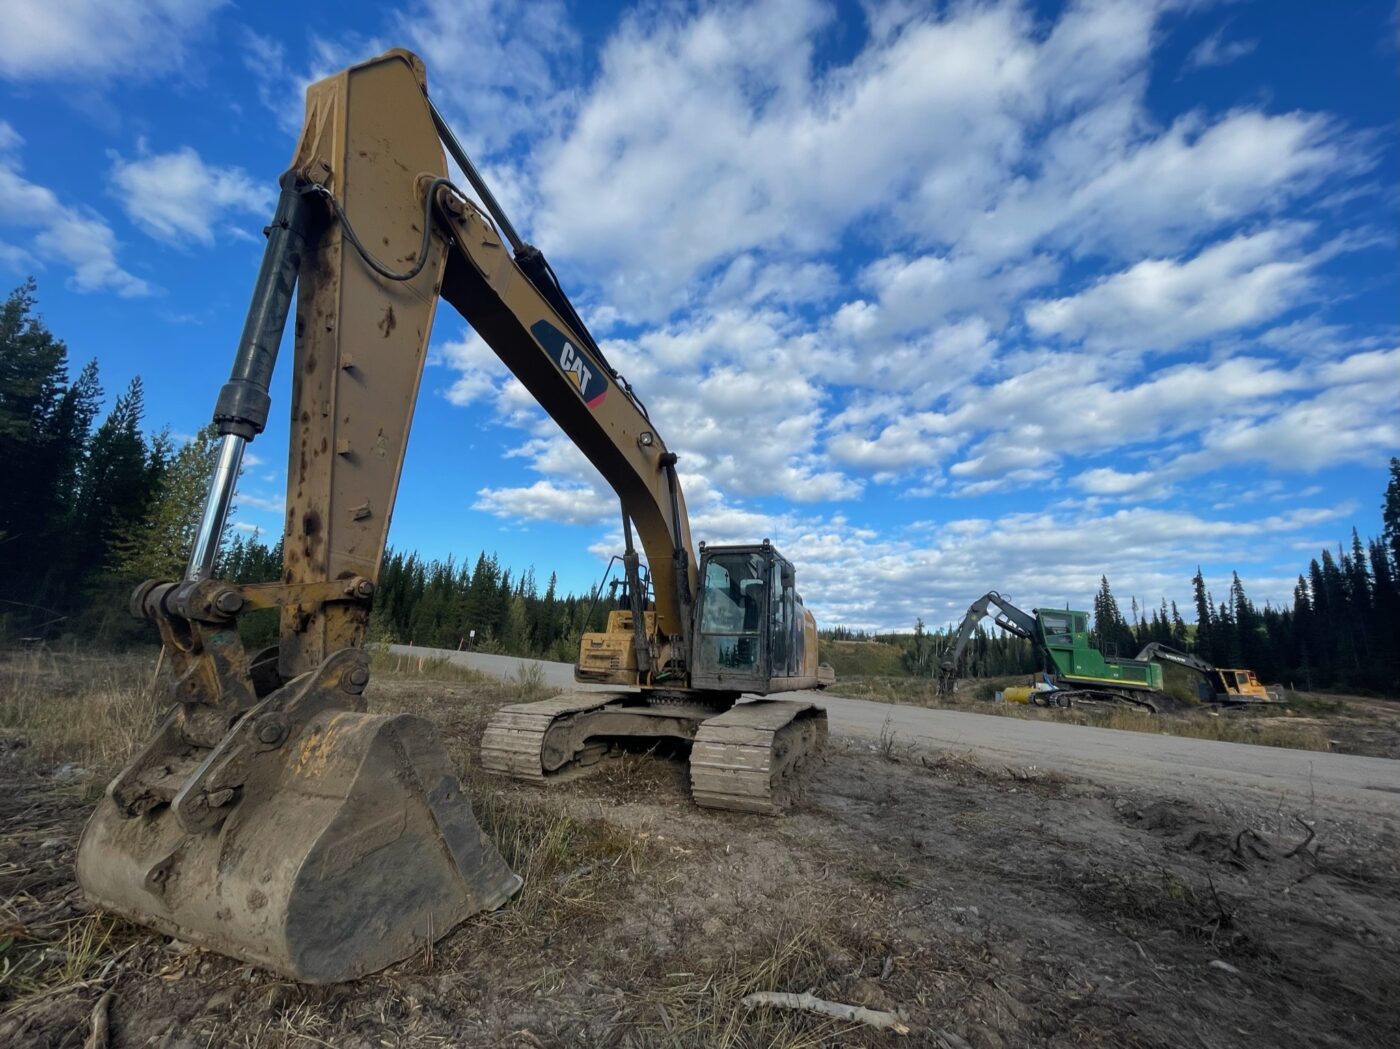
(1073, 668)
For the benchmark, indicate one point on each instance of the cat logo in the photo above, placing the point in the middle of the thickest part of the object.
(582, 372)
(571, 361)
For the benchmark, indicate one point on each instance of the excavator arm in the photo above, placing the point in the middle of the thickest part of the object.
(372, 232)
(1007, 616)
(1166, 654)
(1227, 686)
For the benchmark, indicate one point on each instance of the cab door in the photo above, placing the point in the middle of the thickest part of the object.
(735, 621)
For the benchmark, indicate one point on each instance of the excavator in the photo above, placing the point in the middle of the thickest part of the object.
(1227, 687)
(1074, 669)
(271, 817)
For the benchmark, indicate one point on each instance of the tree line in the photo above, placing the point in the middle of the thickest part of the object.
(1342, 630)
(75, 492)
(91, 504)
(90, 507)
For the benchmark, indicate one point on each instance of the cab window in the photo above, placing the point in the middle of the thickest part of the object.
(1057, 627)
(734, 605)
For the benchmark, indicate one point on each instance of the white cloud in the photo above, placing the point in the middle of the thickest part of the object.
(1110, 182)
(835, 278)
(547, 501)
(1352, 419)
(740, 145)
(177, 197)
(1105, 480)
(490, 64)
(73, 236)
(736, 145)
(272, 504)
(1215, 50)
(480, 371)
(62, 39)
(1160, 304)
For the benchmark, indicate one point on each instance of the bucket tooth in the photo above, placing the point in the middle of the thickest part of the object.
(346, 851)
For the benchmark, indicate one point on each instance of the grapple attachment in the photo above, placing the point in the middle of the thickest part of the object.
(321, 843)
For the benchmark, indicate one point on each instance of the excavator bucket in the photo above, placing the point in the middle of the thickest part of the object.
(347, 847)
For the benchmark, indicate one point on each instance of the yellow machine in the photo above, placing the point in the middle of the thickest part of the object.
(270, 817)
(1219, 685)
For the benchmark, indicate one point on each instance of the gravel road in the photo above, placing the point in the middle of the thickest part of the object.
(1170, 764)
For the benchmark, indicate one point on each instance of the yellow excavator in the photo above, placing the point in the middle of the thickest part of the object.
(271, 817)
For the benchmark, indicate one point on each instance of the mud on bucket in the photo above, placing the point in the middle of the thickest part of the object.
(350, 847)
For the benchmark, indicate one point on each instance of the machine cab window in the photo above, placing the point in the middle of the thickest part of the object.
(733, 602)
(749, 619)
(1057, 627)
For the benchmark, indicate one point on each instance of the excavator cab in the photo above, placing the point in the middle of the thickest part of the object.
(750, 620)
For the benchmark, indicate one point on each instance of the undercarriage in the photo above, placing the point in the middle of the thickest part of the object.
(745, 757)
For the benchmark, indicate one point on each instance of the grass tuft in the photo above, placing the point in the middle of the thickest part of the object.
(92, 710)
(702, 1006)
(400, 666)
(59, 957)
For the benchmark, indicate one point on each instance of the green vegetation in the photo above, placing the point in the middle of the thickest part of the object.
(864, 658)
(89, 509)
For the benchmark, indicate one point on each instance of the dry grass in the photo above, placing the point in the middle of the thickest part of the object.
(1259, 728)
(527, 685)
(56, 958)
(94, 711)
(705, 1008)
(1267, 727)
(397, 666)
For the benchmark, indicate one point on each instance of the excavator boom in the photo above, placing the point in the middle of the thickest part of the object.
(1008, 617)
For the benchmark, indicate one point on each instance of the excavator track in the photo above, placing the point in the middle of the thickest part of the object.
(746, 759)
(1092, 695)
(749, 758)
(515, 736)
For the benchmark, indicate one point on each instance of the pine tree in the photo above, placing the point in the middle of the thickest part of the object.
(1205, 641)
(1390, 514)
(1178, 638)
(118, 480)
(44, 424)
(1112, 634)
(1385, 625)
(157, 545)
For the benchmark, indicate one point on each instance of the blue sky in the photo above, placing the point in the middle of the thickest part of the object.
(939, 297)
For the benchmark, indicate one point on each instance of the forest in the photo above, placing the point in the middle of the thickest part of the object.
(91, 506)
(1341, 632)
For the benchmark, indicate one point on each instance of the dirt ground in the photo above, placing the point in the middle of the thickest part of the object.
(988, 907)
